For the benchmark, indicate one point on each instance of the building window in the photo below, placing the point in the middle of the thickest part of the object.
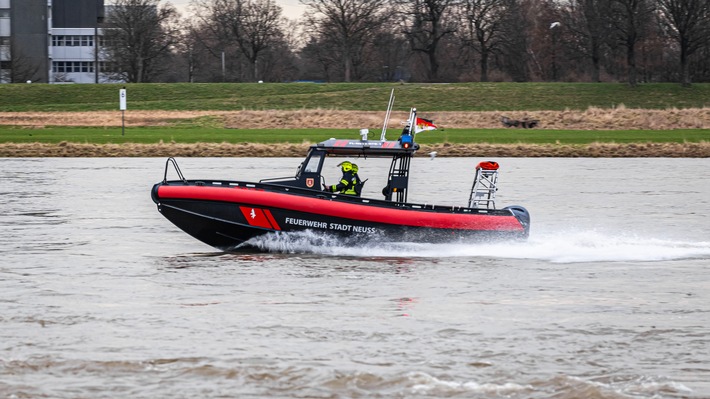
(73, 40)
(5, 64)
(4, 40)
(72, 66)
(4, 13)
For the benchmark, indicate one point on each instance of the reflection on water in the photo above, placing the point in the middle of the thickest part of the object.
(102, 297)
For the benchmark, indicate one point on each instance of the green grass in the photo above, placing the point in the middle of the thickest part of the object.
(352, 96)
(150, 135)
(344, 96)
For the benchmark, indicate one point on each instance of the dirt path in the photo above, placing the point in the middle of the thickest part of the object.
(590, 119)
(619, 118)
(597, 150)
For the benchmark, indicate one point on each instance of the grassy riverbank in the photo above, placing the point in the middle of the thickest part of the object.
(575, 119)
(353, 96)
(154, 135)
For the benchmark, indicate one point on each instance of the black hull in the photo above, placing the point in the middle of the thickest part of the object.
(227, 218)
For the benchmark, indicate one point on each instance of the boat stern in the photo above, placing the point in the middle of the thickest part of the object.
(523, 217)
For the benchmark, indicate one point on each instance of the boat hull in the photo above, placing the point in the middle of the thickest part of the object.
(226, 215)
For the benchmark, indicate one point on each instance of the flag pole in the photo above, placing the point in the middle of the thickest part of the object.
(412, 121)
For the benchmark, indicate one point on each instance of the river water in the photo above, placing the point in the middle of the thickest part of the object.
(101, 297)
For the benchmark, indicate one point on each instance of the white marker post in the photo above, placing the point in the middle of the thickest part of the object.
(122, 107)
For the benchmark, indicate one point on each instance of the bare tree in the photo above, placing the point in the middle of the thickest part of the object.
(630, 20)
(424, 24)
(484, 21)
(320, 59)
(207, 48)
(23, 68)
(688, 22)
(588, 24)
(138, 35)
(350, 23)
(189, 47)
(390, 55)
(254, 26)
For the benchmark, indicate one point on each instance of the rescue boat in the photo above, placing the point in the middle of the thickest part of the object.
(227, 214)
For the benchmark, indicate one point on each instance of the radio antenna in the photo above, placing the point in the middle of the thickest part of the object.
(387, 115)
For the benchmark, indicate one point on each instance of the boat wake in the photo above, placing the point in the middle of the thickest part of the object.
(568, 247)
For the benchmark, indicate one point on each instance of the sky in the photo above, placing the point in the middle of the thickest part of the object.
(292, 8)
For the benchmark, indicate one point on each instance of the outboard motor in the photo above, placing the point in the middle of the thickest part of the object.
(523, 217)
(483, 192)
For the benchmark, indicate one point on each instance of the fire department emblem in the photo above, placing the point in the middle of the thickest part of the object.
(310, 181)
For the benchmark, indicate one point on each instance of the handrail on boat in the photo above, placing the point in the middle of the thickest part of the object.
(270, 179)
(177, 169)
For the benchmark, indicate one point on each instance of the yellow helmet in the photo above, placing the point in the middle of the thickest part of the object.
(346, 166)
(354, 168)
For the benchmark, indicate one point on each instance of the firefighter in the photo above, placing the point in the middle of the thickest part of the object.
(357, 182)
(347, 182)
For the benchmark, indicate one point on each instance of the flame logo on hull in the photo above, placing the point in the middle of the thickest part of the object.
(259, 217)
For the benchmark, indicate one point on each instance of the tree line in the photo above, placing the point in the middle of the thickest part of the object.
(632, 41)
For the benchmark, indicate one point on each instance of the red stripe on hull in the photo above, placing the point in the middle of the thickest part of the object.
(271, 219)
(326, 207)
(255, 217)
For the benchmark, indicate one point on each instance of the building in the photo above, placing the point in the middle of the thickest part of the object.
(50, 41)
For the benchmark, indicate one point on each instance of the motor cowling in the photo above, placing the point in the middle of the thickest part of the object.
(522, 215)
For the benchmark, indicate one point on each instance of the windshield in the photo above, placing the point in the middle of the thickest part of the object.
(313, 162)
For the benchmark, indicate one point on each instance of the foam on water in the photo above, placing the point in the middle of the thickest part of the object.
(425, 384)
(561, 247)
